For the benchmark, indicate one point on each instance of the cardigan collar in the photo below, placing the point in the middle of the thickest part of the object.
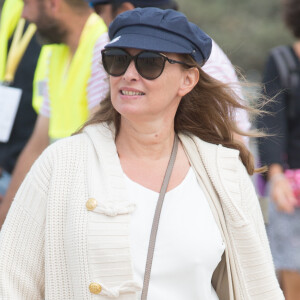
(220, 163)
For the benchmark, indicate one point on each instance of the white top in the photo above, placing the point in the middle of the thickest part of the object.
(188, 245)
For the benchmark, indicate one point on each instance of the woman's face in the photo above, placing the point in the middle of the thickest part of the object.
(140, 99)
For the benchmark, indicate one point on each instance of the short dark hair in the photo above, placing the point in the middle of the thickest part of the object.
(291, 15)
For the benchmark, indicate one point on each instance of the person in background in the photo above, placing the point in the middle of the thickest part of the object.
(18, 59)
(160, 148)
(218, 65)
(109, 9)
(281, 151)
(104, 9)
(74, 84)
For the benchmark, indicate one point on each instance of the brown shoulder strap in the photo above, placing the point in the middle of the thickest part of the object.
(156, 219)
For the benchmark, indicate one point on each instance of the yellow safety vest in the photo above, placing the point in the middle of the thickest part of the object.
(11, 13)
(68, 81)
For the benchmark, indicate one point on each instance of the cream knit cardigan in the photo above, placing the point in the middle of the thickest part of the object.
(52, 247)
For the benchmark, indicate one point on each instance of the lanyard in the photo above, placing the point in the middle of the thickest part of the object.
(18, 47)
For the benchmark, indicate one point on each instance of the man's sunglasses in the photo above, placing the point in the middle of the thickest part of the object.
(149, 64)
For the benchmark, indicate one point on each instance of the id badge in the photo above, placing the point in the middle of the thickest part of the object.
(9, 102)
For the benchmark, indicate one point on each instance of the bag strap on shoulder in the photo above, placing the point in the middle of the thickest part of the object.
(281, 65)
(287, 66)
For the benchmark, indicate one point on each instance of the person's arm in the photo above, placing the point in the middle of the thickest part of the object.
(37, 143)
(273, 149)
(281, 190)
(22, 239)
(98, 86)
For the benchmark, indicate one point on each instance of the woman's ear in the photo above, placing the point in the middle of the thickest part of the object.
(190, 79)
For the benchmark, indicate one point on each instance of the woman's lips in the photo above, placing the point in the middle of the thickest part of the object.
(131, 92)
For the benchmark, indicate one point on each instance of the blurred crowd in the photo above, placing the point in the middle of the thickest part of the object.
(52, 81)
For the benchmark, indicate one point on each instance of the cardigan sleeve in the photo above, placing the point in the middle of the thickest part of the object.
(22, 239)
(263, 281)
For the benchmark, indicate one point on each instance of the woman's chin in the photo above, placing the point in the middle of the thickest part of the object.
(132, 110)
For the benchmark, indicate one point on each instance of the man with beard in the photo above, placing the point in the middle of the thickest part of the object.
(104, 9)
(71, 82)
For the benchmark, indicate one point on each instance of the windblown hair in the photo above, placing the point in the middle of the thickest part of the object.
(208, 112)
(291, 16)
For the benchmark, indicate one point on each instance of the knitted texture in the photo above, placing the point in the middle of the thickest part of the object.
(53, 245)
(250, 259)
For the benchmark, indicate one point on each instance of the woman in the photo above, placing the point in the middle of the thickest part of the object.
(81, 222)
(281, 153)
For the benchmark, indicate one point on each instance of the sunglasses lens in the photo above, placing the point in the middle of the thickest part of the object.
(115, 61)
(150, 65)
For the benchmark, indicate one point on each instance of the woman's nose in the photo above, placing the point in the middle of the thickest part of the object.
(131, 72)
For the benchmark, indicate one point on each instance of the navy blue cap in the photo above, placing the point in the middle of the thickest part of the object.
(159, 30)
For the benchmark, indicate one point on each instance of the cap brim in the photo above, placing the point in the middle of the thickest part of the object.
(145, 42)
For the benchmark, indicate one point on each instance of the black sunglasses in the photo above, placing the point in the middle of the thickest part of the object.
(149, 64)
